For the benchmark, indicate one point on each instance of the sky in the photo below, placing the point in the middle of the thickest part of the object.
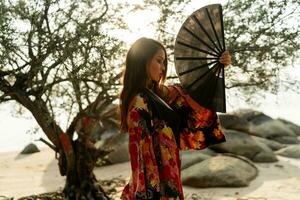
(16, 132)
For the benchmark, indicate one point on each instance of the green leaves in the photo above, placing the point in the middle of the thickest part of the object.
(263, 37)
(62, 48)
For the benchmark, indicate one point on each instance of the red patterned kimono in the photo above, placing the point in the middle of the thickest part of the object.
(154, 153)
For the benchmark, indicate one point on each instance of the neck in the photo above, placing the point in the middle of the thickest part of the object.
(150, 85)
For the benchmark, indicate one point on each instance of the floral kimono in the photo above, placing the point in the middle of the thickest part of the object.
(154, 152)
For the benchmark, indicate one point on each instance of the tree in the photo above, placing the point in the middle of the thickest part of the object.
(170, 12)
(59, 55)
(263, 39)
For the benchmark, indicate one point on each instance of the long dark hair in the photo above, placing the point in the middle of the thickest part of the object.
(136, 76)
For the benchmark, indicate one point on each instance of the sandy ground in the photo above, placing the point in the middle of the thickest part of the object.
(22, 175)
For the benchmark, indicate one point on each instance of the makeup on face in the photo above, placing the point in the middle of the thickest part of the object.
(156, 66)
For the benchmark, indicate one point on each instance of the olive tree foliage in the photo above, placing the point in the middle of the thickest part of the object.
(171, 11)
(262, 36)
(57, 55)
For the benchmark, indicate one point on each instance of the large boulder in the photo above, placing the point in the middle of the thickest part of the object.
(271, 129)
(118, 144)
(294, 127)
(119, 155)
(270, 143)
(208, 151)
(253, 116)
(240, 143)
(292, 151)
(105, 135)
(30, 148)
(220, 171)
(261, 125)
(189, 158)
(287, 139)
(231, 121)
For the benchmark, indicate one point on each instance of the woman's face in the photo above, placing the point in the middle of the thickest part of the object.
(156, 66)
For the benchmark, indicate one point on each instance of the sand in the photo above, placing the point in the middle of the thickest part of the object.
(22, 175)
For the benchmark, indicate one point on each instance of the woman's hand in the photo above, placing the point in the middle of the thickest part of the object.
(225, 59)
(170, 94)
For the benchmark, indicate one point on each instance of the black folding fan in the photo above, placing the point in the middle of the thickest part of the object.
(199, 45)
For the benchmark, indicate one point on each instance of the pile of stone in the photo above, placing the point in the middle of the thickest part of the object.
(251, 137)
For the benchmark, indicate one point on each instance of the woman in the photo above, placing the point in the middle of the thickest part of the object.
(160, 121)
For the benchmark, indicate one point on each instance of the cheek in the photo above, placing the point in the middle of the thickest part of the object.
(158, 68)
(153, 70)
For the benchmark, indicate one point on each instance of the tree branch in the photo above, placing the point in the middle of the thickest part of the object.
(241, 84)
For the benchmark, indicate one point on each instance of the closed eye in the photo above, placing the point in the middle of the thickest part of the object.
(159, 61)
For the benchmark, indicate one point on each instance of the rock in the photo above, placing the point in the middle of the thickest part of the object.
(240, 143)
(119, 155)
(265, 155)
(191, 157)
(102, 135)
(99, 144)
(220, 171)
(208, 151)
(115, 140)
(270, 143)
(271, 129)
(230, 121)
(262, 125)
(287, 139)
(106, 139)
(292, 151)
(255, 117)
(30, 148)
(6, 198)
(294, 127)
(119, 145)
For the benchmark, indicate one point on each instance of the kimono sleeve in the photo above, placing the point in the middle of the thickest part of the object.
(142, 158)
(200, 127)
